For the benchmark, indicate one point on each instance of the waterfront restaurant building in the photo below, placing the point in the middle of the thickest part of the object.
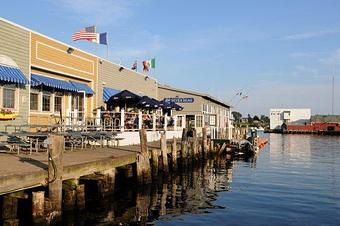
(43, 80)
(199, 110)
(51, 78)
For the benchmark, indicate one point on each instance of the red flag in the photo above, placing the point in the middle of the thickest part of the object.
(146, 65)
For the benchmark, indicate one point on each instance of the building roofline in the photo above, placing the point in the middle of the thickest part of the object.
(76, 48)
(204, 95)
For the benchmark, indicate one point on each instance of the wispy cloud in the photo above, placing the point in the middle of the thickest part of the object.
(332, 59)
(299, 55)
(215, 37)
(304, 71)
(144, 45)
(103, 12)
(312, 34)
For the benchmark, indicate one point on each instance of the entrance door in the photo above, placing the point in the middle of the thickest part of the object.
(78, 106)
(190, 121)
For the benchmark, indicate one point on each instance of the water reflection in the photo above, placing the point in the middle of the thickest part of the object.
(294, 181)
(191, 191)
(291, 147)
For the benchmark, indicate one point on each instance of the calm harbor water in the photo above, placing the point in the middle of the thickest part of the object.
(294, 180)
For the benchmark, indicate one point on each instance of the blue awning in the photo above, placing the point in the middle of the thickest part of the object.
(82, 87)
(37, 80)
(12, 74)
(109, 92)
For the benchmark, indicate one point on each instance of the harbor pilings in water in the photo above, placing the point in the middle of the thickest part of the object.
(60, 195)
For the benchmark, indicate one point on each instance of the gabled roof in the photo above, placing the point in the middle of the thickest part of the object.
(204, 95)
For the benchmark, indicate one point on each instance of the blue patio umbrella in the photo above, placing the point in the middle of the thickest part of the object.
(171, 105)
(124, 97)
(148, 102)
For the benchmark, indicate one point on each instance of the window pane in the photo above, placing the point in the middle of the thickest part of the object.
(199, 121)
(34, 101)
(57, 103)
(8, 98)
(46, 104)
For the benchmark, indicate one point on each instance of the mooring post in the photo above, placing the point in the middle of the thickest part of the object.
(55, 172)
(164, 153)
(143, 160)
(38, 206)
(184, 146)
(154, 162)
(204, 142)
(194, 145)
(163, 200)
(174, 154)
(10, 210)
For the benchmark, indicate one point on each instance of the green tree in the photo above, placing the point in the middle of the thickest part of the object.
(237, 116)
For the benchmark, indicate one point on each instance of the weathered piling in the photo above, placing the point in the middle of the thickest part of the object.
(154, 162)
(174, 154)
(194, 145)
(80, 190)
(211, 146)
(221, 150)
(142, 161)
(163, 199)
(204, 143)
(184, 147)
(164, 154)
(55, 172)
(108, 182)
(142, 204)
(38, 206)
(10, 210)
(70, 195)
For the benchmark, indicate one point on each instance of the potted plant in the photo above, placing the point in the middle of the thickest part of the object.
(6, 114)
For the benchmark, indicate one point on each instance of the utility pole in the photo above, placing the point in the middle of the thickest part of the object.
(333, 95)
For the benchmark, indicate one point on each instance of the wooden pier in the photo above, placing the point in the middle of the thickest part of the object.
(56, 181)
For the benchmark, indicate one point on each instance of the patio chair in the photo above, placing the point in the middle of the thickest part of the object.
(17, 143)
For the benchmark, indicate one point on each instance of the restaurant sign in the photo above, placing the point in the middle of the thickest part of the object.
(184, 100)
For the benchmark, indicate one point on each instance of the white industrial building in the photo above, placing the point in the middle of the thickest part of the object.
(296, 116)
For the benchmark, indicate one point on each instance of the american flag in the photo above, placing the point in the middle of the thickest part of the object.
(87, 33)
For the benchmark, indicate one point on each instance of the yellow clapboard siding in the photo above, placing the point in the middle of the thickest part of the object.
(52, 55)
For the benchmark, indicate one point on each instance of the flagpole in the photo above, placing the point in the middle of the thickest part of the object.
(107, 46)
(95, 31)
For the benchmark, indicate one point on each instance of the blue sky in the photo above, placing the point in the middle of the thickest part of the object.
(279, 53)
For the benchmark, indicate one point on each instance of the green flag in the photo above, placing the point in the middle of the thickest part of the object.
(153, 63)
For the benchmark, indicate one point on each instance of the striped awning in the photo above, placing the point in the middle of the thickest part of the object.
(109, 92)
(82, 87)
(37, 80)
(12, 74)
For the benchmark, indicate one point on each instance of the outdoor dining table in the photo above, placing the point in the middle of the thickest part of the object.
(34, 137)
(19, 128)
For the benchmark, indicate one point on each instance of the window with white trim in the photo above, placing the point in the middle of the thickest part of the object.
(58, 102)
(8, 94)
(46, 102)
(199, 121)
(34, 101)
